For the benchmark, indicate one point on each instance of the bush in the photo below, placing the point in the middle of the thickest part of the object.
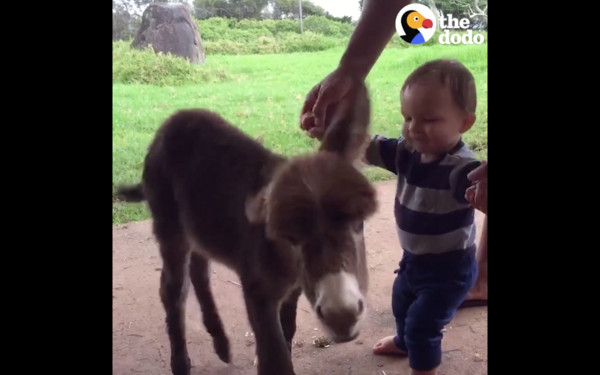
(233, 37)
(327, 27)
(286, 26)
(266, 44)
(225, 47)
(289, 42)
(214, 28)
(147, 67)
(307, 42)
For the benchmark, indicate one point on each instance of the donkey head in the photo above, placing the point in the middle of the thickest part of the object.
(316, 205)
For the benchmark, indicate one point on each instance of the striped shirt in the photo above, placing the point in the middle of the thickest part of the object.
(432, 214)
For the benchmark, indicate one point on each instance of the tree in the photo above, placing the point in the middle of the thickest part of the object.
(344, 19)
(461, 9)
(204, 9)
(121, 21)
(126, 19)
(290, 9)
(310, 9)
(127, 16)
(239, 9)
(431, 5)
(476, 12)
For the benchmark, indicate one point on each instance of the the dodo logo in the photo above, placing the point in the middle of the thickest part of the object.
(415, 23)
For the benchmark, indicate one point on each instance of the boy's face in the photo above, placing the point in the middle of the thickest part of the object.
(433, 123)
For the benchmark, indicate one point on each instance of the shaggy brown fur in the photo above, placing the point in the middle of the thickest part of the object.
(215, 193)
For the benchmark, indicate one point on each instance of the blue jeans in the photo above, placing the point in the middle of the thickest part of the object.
(425, 297)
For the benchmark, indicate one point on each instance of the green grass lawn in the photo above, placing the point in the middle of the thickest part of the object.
(263, 95)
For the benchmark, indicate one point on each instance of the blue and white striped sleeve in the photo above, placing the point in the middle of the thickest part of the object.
(382, 152)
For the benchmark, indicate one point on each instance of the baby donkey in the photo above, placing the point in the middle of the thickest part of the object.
(285, 225)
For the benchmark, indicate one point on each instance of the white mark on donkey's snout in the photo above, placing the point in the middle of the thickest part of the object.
(339, 293)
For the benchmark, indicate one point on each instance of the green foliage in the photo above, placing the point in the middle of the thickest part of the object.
(227, 36)
(262, 95)
(327, 27)
(147, 67)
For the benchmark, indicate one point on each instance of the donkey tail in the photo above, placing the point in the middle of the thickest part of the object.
(130, 193)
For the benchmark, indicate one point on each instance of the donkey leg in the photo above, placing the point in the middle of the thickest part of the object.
(271, 349)
(199, 273)
(287, 316)
(173, 293)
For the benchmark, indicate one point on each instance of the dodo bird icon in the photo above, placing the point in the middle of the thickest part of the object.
(412, 21)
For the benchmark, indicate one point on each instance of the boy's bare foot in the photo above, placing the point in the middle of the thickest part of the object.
(386, 346)
(478, 292)
(478, 295)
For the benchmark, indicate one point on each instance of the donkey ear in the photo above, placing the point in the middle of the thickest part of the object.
(349, 126)
(256, 206)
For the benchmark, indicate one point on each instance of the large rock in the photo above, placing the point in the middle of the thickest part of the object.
(169, 27)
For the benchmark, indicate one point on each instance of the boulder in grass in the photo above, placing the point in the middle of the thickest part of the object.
(170, 28)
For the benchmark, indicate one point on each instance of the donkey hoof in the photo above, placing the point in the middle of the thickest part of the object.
(222, 349)
(181, 366)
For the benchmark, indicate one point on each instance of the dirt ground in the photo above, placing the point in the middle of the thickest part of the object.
(140, 342)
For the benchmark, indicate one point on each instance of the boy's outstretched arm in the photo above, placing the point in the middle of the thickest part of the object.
(382, 152)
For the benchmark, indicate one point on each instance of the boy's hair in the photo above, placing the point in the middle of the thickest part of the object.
(452, 74)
